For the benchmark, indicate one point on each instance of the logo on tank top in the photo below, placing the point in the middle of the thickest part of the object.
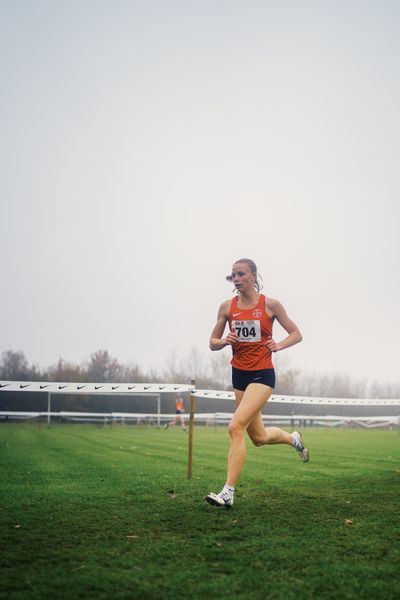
(257, 312)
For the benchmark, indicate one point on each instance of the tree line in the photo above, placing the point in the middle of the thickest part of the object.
(209, 373)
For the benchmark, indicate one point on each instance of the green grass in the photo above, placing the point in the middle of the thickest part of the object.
(108, 512)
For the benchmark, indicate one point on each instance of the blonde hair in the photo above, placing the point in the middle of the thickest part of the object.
(253, 268)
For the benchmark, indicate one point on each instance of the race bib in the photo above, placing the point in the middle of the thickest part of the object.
(247, 331)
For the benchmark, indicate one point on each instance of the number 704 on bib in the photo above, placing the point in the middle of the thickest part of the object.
(247, 331)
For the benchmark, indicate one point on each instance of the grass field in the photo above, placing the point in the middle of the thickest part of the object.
(108, 512)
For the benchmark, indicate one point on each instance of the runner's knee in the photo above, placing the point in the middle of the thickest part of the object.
(235, 429)
(257, 439)
(258, 442)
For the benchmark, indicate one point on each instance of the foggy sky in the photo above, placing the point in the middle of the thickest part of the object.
(148, 145)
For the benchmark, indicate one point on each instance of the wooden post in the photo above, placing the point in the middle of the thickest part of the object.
(48, 407)
(191, 427)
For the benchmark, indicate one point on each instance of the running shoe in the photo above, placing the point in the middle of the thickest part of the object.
(301, 450)
(221, 499)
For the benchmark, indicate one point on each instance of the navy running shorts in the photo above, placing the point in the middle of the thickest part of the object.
(241, 379)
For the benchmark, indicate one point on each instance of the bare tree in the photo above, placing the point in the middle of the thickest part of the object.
(102, 367)
(289, 382)
(65, 371)
(385, 390)
(220, 371)
(15, 366)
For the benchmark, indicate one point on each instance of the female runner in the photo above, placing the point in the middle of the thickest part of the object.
(250, 316)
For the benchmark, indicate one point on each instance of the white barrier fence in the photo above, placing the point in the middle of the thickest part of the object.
(88, 389)
(94, 388)
(208, 419)
(218, 394)
(128, 389)
(155, 389)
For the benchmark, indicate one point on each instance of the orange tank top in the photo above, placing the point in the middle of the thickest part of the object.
(253, 326)
(179, 405)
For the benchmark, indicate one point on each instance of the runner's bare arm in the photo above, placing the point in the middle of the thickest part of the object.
(275, 308)
(217, 342)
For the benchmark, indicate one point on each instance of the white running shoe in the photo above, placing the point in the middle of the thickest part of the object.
(221, 499)
(304, 452)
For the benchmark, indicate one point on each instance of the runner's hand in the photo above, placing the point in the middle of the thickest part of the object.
(232, 339)
(271, 345)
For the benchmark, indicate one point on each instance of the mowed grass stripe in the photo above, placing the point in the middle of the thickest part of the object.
(108, 512)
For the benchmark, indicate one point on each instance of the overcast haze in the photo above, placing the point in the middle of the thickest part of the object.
(147, 145)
